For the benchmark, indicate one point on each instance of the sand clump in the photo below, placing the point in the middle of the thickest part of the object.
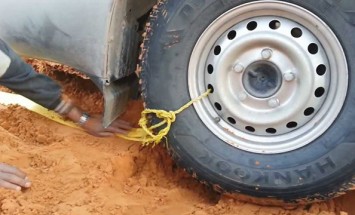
(75, 173)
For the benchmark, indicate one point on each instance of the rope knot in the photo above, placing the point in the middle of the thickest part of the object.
(166, 115)
(149, 134)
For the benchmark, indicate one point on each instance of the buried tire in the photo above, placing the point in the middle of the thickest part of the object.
(278, 122)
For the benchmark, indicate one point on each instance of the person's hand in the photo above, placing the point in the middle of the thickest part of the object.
(93, 124)
(94, 127)
(13, 178)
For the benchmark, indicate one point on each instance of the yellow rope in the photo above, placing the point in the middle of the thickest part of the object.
(145, 134)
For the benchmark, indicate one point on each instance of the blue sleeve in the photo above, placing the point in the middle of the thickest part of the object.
(22, 79)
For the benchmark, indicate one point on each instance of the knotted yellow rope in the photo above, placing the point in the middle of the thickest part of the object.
(145, 134)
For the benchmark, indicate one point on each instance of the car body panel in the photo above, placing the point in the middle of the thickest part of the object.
(98, 38)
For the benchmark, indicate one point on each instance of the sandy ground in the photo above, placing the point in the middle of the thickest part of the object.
(74, 173)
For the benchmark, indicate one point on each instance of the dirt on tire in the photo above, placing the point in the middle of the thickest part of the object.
(75, 173)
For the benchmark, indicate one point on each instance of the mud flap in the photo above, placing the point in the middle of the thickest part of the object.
(117, 95)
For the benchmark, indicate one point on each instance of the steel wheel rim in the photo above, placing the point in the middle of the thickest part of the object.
(289, 117)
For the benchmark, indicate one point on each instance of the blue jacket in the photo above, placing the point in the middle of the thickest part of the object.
(22, 79)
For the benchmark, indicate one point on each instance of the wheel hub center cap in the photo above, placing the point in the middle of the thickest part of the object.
(262, 79)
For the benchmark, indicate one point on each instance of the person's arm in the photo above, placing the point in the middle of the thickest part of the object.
(21, 78)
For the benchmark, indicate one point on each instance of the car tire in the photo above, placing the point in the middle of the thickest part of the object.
(289, 138)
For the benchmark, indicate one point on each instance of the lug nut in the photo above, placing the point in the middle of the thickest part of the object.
(289, 76)
(217, 119)
(274, 103)
(242, 96)
(238, 68)
(266, 54)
